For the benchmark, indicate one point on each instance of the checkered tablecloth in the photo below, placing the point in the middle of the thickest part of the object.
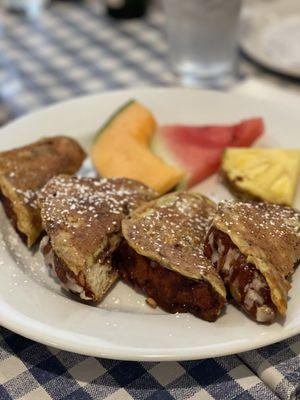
(74, 49)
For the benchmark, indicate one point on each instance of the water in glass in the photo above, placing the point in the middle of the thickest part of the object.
(202, 38)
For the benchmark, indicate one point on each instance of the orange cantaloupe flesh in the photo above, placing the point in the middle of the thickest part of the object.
(122, 149)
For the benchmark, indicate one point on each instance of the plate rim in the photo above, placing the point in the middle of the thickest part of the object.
(8, 321)
(125, 355)
(250, 52)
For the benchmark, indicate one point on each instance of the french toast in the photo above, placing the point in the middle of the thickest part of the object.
(255, 247)
(82, 219)
(162, 255)
(25, 170)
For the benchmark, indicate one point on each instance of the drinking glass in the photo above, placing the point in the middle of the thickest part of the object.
(203, 40)
(32, 8)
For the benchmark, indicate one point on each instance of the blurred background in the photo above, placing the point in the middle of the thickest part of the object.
(51, 50)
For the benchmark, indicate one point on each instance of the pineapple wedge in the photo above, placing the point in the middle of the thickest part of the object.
(266, 174)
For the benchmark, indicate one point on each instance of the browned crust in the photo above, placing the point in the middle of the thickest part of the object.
(171, 231)
(25, 170)
(11, 215)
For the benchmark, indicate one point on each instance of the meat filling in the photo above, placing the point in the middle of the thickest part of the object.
(68, 279)
(246, 284)
(170, 290)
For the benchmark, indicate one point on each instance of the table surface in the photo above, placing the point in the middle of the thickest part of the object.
(71, 50)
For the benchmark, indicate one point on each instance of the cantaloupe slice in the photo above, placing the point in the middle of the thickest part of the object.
(131, 119)
(121, 148)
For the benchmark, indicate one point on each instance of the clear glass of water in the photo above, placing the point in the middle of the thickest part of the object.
(203, 40)
(31, 8)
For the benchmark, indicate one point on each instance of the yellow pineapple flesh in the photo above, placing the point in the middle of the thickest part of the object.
(266, 174)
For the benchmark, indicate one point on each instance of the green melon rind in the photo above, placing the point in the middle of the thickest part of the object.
(112, 117)
(156, 144)
(159, 148)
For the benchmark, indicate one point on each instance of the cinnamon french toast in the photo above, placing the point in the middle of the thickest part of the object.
(162, 255)
(25, 170)
(255, 247)
(82, 218)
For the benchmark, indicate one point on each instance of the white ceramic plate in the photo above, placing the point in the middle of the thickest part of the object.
(270, 35)
(123, 326)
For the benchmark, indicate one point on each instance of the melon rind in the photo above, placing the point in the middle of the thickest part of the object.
(122, 149)
(112, 117)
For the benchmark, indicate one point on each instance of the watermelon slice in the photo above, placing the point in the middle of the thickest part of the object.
(199, 149)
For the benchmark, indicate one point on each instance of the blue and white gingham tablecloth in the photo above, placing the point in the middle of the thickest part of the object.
(73, 49)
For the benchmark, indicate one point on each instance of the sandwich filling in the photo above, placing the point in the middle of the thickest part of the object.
(172, 291)
(256, 248)
(84, 283)
(67, 279)
(245, 282)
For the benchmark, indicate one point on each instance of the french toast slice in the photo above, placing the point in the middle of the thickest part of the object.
(25, 170)
(162, 255)
(255, 247)
(82, 218)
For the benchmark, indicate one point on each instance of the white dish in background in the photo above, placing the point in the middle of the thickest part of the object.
(270, 34)
(123, 326)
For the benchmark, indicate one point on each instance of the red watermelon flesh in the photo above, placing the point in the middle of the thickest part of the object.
(201, 162)
(199, 149)
(246, 132)
(208, 136)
